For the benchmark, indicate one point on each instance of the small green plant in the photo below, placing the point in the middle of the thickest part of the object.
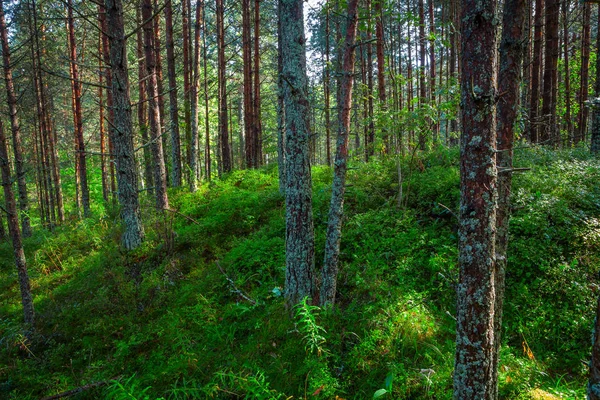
(307, 325)
(128, 390)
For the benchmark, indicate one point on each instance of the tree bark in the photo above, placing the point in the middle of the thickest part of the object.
(160, 175)
(595, 131)
(280, 107)
(77, 113)
(257, 100)
(121, 130)
(534, 120)
(157, 45)
(207, 158)
(225, 148)
(187, 79)
(16, 130)
(14, 230)
(300, 262)
(142, 106)
(422, 72)
(330, 268)
(194, 101)
(582, 115)
(250, 141)
(176, 173)
(566, 43)
(548, 135)
(381, 90)
(473, 372)
(326, 88)
(512, 50)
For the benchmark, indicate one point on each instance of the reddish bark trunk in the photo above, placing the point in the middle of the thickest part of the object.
(77, 113)
(173, 111)
(330, 267)
(160, 175)
(16, 130)
(15, 231)
(473, 372)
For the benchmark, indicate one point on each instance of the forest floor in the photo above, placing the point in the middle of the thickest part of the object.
(197, 311)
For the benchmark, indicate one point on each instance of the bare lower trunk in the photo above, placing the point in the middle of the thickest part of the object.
(15, 232)
(77, 115)
(160, 174)
(473, 372)
(582, 116)
(330, 267)
(16, 130)
(512, 50)
(194, 101)
(173, 112)
(121, 130)
(300, 262)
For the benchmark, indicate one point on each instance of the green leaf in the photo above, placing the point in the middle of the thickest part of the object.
(388, 381)
(379, 393)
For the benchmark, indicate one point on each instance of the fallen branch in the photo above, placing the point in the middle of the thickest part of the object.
(235, 289)
(75, 391)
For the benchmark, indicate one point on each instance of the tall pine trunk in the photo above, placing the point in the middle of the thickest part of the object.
(224, 146)
(582, 115)
(473, 371)
(14, 230)
(176, 173)
(194, 100)
(16, 130)
(300, 247)
(534, 105)
(330, 267)
(512, 51)
(78, 114)
(160, 175)
(121, 130)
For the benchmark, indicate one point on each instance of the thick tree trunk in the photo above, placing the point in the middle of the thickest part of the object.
(121, 130)
(77, 113)
(16, 130)
(330, 267)
(160, 174)
(300, 261)
(473, 372)
(14, 230)
(176, 173)
(512, 50)
(582, 115)
(534, 118)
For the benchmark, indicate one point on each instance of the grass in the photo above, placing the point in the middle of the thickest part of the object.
(197, 311)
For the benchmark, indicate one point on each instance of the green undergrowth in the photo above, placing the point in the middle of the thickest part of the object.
(197, 312)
